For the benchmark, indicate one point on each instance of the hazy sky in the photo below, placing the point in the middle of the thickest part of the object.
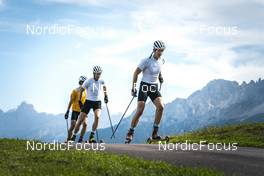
(205, 40)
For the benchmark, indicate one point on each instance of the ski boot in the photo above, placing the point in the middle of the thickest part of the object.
(92, 139)
(129, 136)
(73, 138)
(80, 140)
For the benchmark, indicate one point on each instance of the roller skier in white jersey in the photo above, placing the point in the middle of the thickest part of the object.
(150, 67)
(94, 88)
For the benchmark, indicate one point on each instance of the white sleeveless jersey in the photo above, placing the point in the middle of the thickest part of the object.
(151, 69)
(94, 89)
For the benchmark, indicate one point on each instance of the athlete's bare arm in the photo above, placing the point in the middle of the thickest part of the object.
(81, 93)
(70, 104)
(135, 77)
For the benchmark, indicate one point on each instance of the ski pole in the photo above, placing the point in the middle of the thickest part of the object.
(122, 117)
(160, 86)
(109, 118)
(67, 126)
(97, 136)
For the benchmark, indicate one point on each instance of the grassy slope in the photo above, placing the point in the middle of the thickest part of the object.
(250, 135)
(16, 160)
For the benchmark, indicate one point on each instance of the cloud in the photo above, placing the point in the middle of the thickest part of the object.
(206, 56)
(93, 2)
(1, 4)
(96, 3)
(249, 55)
(117, 39)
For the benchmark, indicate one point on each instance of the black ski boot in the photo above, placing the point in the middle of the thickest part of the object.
(129, 136)
(92, 139)
(80, 140)
(73, 138)
(155, 135)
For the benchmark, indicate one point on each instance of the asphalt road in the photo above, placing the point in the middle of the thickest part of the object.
(244, 161)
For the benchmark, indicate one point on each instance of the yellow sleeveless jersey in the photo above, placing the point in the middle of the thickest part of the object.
(75, 96)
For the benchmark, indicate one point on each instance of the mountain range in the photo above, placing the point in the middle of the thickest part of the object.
(219, 102)
(26, 123)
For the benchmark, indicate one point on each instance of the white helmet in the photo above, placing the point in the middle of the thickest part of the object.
(97, 69)
(158, 44)
(82, 78)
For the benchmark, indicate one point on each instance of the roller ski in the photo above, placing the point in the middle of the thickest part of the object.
(129, 136)
(94, 141)
(150, 140)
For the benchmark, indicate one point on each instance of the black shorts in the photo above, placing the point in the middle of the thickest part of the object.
(148, 90)
(75, 115)
(88, 105)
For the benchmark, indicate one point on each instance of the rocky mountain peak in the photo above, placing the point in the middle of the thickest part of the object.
(25, 107)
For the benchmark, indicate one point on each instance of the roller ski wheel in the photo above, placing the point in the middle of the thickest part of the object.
(150, 140)
(92, 141)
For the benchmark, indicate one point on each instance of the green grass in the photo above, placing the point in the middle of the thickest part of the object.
(16, 160)
(249, 135)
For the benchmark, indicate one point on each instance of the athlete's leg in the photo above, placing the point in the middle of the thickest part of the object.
(134, 122)
(97, 114)
(73, 123)
(158, 115)
(142, 98)
(84, 127)
(159, 109)
(140, 109)
(81, 119)
(74, 117)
